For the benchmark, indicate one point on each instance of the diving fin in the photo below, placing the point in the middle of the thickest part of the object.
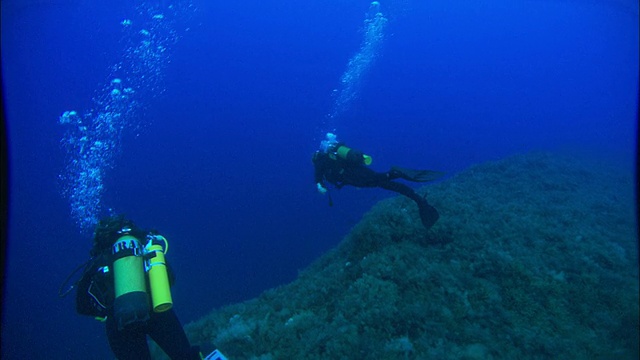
(415, 175)
(428, 214)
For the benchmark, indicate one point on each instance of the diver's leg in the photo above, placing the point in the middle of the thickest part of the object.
(129, 343)
(165, 329)
(363, 177)
(397, 172)
(428, 214)
(401, 189)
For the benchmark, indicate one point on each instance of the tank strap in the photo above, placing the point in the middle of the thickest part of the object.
(124, 253)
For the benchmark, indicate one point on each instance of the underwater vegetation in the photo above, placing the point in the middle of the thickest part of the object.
(534, 257)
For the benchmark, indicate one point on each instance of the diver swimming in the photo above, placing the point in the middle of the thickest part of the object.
(340, 165)
(126, 283)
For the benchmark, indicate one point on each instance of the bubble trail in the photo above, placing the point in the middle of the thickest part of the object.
(92, 138)
(358, 66)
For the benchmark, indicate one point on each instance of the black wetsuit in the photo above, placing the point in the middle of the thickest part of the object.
(164, 328)
(352, 171)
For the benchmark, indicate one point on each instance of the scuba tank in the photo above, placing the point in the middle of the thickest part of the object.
(131, 302)
(155, 264)
(351, 155)
(114, 282)
(335, 149)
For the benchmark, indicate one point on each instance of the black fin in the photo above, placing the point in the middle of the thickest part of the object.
(428, 215)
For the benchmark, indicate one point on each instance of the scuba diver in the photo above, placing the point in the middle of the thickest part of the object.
(126, 283)
(339, 165)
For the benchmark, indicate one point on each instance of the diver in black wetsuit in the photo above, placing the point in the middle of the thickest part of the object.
(339, 165)
(121, 285)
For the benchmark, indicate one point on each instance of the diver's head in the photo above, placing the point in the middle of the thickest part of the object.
(110, 229)
(329, 143)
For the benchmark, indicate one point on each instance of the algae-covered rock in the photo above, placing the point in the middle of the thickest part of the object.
(534, 257)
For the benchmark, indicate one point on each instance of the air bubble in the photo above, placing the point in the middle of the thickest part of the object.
(358, 66)
(92, 140)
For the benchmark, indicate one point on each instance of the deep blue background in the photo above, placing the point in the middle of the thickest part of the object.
(223, 168)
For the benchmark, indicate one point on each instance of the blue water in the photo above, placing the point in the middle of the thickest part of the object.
(217, 153)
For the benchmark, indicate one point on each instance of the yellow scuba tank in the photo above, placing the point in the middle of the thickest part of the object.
(353, 155)
(131, 302)
(155, 264)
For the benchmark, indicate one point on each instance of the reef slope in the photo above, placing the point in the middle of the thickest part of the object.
(534, 257)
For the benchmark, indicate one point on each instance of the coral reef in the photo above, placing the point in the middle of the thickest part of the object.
(534, 257)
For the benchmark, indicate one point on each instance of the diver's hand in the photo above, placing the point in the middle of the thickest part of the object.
(321, 189)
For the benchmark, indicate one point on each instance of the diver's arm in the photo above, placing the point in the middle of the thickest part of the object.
(320, 182)
(318, 165)
(319, 176)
